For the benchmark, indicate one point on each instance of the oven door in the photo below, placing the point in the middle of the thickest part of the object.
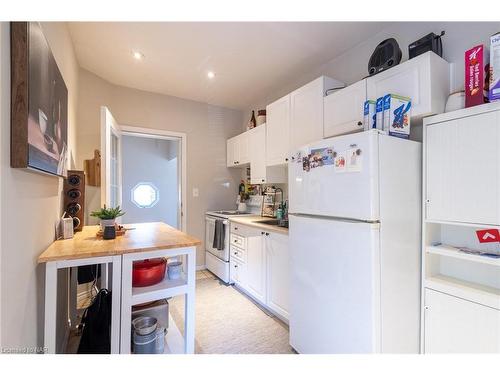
(209, 238)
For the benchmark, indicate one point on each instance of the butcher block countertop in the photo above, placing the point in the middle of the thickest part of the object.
(253, 221)
(145, 237)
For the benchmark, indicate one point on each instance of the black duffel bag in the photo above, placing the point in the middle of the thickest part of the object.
(96, 321)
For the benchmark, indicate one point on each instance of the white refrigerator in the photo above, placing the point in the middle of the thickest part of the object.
(355, 209)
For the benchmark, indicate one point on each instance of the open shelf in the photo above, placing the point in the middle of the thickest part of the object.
(165, 289)
(473, 292)
(453, 252)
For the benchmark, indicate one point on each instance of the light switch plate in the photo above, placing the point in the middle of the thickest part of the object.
(196, 192)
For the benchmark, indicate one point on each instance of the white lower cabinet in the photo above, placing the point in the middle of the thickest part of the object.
(261, 268)
(256, 271)
(455, 325)
(278, 273)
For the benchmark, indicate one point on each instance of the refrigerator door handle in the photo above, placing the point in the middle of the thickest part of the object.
(333, 218)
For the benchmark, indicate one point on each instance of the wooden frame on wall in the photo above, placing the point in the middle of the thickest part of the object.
(39, 103)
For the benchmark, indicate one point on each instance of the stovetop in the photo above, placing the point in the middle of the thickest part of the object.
(227, 213)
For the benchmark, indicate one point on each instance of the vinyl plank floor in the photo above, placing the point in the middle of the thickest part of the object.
(227, 321)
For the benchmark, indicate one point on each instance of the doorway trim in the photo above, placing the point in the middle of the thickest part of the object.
(138, 131)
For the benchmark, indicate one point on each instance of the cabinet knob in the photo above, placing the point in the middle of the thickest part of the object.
(360, 123)
(235, 240)
(235, 253)
(286, 159)
(235, 228)
(263, 180)
(261, 232)
(293, 158)
(235, 266)
(267, 234)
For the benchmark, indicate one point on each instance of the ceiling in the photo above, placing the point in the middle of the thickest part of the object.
(250, 59)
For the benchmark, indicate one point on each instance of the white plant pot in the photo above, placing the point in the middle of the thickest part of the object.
(107, 223)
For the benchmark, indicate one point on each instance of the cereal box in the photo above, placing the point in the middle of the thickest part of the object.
(379, 110)
(494, 88)
(397, 115)
(369, 115)
(476, 69)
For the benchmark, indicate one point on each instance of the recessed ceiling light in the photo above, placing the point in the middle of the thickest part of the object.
(211, 75)
(137, 55)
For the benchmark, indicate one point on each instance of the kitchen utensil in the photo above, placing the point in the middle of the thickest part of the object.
(148, 272)
(109, 233)
(144, 325)
(455, 101)
(145, 344)
(174, 270)
(261, 117)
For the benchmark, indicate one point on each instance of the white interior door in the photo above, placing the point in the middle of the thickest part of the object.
(111, 168)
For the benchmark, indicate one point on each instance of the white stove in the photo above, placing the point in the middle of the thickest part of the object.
(217, 261)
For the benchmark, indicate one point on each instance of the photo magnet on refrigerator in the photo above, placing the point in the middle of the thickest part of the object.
(340, 162)
(354, 160)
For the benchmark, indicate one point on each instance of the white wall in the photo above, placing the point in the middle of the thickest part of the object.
(30, 206)
(155, 161)
(207, 127)
(352, 66)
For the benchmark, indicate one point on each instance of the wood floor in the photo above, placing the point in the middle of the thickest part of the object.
(229, 322)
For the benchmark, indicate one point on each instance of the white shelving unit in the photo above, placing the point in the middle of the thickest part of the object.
(175, 342)
(461, 194)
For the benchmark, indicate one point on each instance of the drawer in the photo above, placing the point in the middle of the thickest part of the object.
(237, 240)
(238, 253)
(244, 230)
(237, 272)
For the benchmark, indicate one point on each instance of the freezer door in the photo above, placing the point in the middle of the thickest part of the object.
(349, 190)
(335, 289)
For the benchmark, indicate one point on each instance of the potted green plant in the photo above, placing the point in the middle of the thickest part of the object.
(107, 215)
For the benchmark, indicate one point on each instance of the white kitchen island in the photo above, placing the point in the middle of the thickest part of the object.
(144, 241)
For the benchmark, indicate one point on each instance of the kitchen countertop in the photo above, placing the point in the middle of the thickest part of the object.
(252, 221)
(145, 237)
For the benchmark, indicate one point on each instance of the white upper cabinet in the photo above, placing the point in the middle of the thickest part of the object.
(278, 131)
(230, 157)
(425, 79)
(343, 110)
(306, 111)
(257, 141)
(296, 119)
(462, 155)
(238, 153)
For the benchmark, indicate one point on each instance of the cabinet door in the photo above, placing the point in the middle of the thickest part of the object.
(277, 131)
(278, 273)
(463, 178)
(454, 325)
(243, 149)
(344, 110)
(257, 141)
(306, 114)
(424, 79)
(230, 159)
(256, 268)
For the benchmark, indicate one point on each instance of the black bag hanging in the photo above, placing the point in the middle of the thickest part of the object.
(89, 273)
(96, 320)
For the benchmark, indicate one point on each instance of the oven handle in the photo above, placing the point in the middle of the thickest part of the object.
(225, 222)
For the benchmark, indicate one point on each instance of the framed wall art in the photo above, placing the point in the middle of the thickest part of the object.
(39, 103)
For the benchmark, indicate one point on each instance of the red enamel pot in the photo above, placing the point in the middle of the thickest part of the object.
(148, 272)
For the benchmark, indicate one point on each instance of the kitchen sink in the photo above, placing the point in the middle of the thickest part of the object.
(279, 223)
